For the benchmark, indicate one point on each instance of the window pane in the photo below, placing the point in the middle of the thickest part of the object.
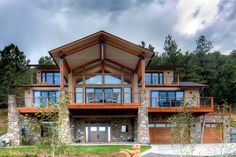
(161, 78)
(94, 79)
(154, 98)
(162, 99)
(79, 95)
(56, 78)
(44, 98)
(43, 77)
(37, 95)
(50, 78)
(89, 95)
(148, 78)
(52, 98)
(101, 128)
(127, 95)
(112, 79)
(117, 94)
(155, 79)
(93, 128)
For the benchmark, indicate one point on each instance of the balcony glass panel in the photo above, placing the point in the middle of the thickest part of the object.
(37, 98)
(79, 95)
(127, 95)
(154, 99)
(50, 78)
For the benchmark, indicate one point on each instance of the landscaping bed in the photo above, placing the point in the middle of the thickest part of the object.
(73, 151)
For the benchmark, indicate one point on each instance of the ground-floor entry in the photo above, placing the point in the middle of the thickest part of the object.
(97, 133)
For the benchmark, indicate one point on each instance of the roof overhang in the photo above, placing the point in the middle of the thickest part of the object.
(87, 50)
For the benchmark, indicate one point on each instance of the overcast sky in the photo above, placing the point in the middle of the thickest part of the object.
(38, 26)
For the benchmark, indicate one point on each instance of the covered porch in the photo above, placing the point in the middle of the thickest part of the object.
(102, 70)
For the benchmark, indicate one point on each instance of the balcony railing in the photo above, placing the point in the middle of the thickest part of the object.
(158, 102)
(40, 102)
(106, 97)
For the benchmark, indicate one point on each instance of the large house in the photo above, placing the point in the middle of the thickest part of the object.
(116, 96)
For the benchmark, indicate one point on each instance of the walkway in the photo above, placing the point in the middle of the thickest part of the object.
(191, 149)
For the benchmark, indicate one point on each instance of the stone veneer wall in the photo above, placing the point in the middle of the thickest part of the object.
(143, 129)
(64, 130)
(79, 134)
(13, 131)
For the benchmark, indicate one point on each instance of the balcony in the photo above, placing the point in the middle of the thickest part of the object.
(173, 104)
(36, 104)
(105, 100)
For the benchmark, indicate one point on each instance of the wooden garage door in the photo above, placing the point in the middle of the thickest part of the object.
(161, 134)
(213, 133)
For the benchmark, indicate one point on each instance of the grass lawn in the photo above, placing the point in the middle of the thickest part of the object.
(3, 121)
(80, 151)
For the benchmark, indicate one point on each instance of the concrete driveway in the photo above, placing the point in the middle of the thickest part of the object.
(196, 150)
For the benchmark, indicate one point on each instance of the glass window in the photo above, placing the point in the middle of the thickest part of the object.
(94, 79)
(93, 128)
(148, 78)
(162, 99)
(161, 78)
(155, 78)
(43, 78)
(37, 98)
(117, 94)
(154, 98)
(112, 79)
(79, 95)
(50, 78)
(127, 95)
(160, 125)
(57, 78)
(101, 128)
(124, 128)
(45, 98)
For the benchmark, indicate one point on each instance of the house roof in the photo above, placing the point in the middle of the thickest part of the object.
(191, 84)
(163, 67)
(87, 50)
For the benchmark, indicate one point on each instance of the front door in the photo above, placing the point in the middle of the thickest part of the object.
(97, 133)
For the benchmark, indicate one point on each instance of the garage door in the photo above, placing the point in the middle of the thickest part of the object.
(161, 134)
(213, 133)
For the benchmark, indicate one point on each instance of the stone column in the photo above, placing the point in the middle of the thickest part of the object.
(13, 131)
(143, 130)
(64, 132)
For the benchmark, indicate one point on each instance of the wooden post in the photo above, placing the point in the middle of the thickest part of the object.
(143, 73)
(62, 73)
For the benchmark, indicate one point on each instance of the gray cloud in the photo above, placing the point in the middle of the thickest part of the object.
(39, 26)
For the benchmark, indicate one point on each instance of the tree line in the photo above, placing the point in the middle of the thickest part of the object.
(201, 65)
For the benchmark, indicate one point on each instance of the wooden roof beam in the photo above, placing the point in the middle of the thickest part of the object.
(111, 61)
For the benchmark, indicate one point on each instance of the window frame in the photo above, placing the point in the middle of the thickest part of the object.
(166, 98)
(160, 76)
(44, 76)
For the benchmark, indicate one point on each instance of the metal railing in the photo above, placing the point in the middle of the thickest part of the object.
(181, 101)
